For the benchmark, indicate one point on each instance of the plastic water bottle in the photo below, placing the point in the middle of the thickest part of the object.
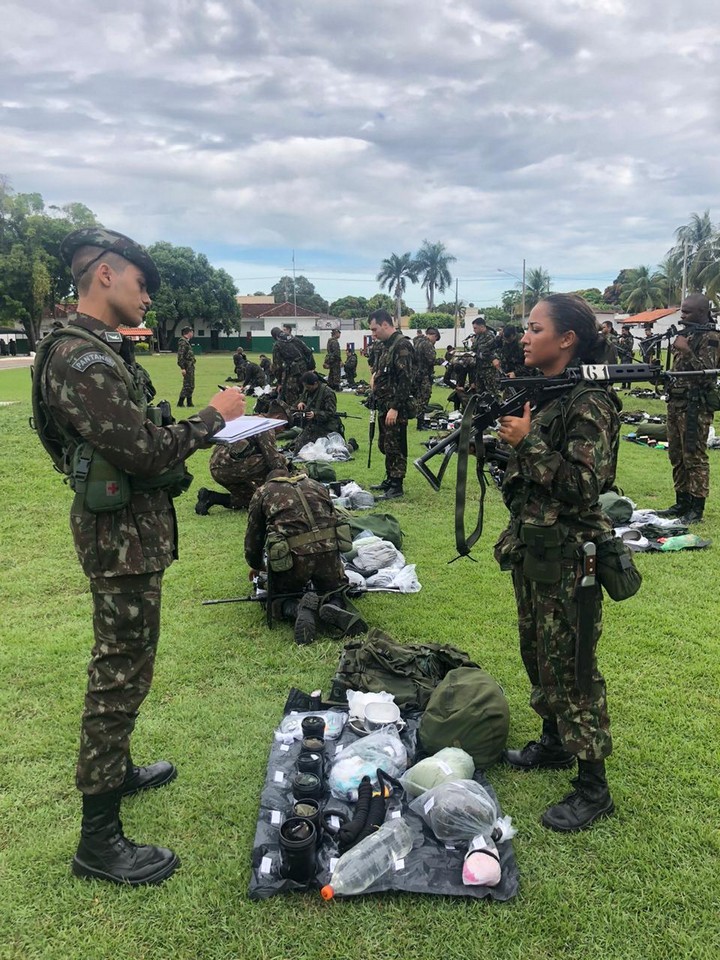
(368, 860)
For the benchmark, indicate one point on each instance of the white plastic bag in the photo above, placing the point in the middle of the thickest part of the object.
(383, 750)
(376, 554)
(291, 725)
(358, 700)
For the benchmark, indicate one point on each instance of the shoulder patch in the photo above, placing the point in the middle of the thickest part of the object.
(112, 336)
(87, 359)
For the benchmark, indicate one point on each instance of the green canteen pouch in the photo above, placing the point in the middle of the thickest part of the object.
(616, 569)
(174, 481)
(544, 551)
(344, 537)
(279, 557)
(103, 487)
(712, 399)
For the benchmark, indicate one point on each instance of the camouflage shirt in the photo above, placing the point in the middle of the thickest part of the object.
(323, 403)
(278, 508)
(511, 355)
(704, 355)
(626, 347)
(394, 373)
(425, 358)
(185, 355)
(558, 471)
(483, 346)
(333, 355)
(87, 396)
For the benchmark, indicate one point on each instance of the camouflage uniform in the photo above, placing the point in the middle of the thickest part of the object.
(626, 348)
(243, 466)
(186, 362)
(373, 354)
(333, 362)
(351, 362)
(253, 376)
(485, 376)
(425, 360)
(323, 403)
(239, 361)
(511, 355)
(692, 403)
(277, 509)
(124, 552)
(291, 358)
(611, 349)
(392, 390)
(551, 486)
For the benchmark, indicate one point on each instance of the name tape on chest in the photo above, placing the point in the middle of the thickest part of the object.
(87, 359)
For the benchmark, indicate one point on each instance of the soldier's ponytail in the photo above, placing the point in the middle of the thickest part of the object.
(570, 312)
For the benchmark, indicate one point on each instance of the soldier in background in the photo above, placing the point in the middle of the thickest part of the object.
(239, 361)
(510, 356)
(612, 340)
(626, 349)
(291, 358)
(91, 412)
(333, 360)
(253, 376)
(186, 362)
(392, 387)
(351, 362)
(691, 408)
(425, 360)
(292, 520)
(243, 466)
(484, 379)
(318, 405)
(266, 367)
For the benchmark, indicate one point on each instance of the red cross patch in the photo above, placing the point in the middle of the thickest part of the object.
(111, 488)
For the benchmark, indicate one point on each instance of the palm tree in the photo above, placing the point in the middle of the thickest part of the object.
(643, 290)
(709, 275)
(432, 262)
(671, 273)
(537, 286)
(394, 273)
(696, 237)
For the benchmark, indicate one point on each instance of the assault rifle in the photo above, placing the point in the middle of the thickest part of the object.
(484, 410)
(649, 344)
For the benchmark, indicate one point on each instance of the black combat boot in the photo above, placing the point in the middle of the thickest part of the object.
(146, 778)
(105, 853)
(547, 753)
(340, 612)
(694, 514)
(589, 801)
(394, 490)
(180, 401)
(189, 402)
(211, 498)
(682, 505)
(306, 622)
(383, 485)
(421, 423)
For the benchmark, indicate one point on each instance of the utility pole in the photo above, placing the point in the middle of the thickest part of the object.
(523, 291)
(684, 273)
(294, 289)
(455, 322)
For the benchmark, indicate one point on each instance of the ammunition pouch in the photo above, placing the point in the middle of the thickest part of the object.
(279, 557)
(545, 549)
(616, 569)
(344, 537)
(712, 399)
(103, 487)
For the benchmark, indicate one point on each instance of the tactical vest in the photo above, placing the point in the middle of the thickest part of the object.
(279, 548)
(104, 487)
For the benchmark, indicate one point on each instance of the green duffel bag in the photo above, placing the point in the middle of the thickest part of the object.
(616, 508)
(383, 525)
(324, 472)
(409, 671)
(654, 431)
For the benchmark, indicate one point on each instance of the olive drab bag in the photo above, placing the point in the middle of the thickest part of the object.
(409, 671)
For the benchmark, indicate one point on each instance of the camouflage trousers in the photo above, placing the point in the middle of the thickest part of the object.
(691, 471)
(290, 389)
(486, 380)
(324, 569)
(188, 384)
(333, 377)
(423, 392)
(392, 442)
(547, 617)
(241, 478)
(126, 624)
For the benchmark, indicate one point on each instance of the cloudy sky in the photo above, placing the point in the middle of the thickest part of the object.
(577, 134)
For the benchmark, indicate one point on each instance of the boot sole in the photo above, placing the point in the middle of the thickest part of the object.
(155, 785)
(86, 872)
(600, 815)
(551, 765)
(350, 623)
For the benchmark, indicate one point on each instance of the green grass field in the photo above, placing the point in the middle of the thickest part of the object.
(644, 884)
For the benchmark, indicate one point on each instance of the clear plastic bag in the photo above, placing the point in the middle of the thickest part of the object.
(384, 750)
(376, 554)
(450, 763)
(460, 810)
(290, 728)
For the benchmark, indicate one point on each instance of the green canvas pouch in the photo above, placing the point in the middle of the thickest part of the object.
(542, 561)
(616, 569)
(103, 487)
(279, 556)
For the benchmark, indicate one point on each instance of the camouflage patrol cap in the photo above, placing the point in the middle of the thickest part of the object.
(113, 242)
(467, 709)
